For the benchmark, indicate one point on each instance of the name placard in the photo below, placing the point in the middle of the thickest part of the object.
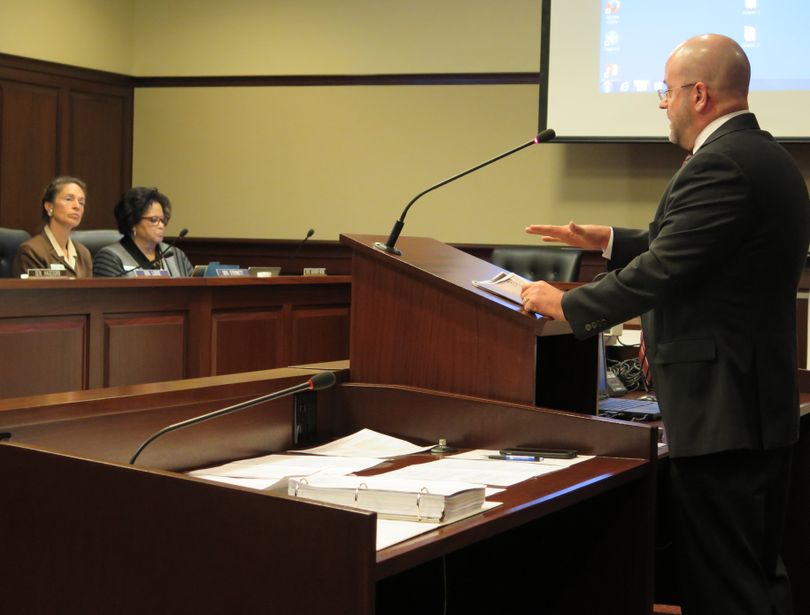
(235, 272)
(152, 273)
(48, 273)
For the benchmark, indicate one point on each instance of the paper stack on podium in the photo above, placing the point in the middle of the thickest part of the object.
(506, 284)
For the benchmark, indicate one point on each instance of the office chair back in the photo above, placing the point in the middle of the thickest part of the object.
(551, 264)
(10, 240)
(96, 239)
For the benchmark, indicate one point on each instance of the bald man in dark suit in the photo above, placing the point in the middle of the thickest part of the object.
(715, 279)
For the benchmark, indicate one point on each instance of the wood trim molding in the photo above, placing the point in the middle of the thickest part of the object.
(52, 69)
(339, 80)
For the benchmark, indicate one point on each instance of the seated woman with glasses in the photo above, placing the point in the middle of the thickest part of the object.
(142, 215)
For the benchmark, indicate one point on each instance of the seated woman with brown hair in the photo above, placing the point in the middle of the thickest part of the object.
(62, 210)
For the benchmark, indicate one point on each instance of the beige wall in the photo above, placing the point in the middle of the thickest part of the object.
(273, 162)
(250, 37)
(89, 33)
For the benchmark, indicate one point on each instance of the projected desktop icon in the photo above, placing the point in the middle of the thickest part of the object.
(750, 34)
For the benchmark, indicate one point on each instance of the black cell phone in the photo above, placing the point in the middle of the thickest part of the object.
(552, 453)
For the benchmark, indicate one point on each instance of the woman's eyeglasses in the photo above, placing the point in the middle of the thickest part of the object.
(155, 220)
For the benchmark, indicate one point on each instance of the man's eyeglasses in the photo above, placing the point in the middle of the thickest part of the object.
(155, 220)
(664, 94)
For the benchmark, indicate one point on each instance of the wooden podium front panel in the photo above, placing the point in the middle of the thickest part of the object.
(37, 353)
(85, 536)
(245, 341)
(406, 331)
(319, 334)
(102, 337)
(144, 348)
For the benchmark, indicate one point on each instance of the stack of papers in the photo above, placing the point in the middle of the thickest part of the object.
(505, 284)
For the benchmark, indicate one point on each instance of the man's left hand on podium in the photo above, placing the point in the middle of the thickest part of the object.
(543, 298)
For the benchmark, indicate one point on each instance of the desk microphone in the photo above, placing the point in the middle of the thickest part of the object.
(321, 380)
(294, 256)
(310, 233)
(547, 135)
(170, 250)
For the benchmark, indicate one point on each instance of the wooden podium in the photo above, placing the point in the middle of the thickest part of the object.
(85, 532)
(417, 319)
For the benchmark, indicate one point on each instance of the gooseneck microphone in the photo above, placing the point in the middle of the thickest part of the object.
(310, 233)
(389, 246)
(300, 245)
(170, 250)
(322, 380)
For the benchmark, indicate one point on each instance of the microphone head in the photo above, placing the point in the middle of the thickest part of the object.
(183, 232)
(546, 135)
(310, 233)
(321, 380)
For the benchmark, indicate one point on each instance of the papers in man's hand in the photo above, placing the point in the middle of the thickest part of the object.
(505, 284)
(416, 500)
(367, 443)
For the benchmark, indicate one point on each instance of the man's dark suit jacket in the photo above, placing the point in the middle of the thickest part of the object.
(38, 253)
(715, 280)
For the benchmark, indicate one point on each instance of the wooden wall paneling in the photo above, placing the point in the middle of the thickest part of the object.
(200, 313)
(249, 340)
(319, 334)
(96, 348)
(144, 348)
(42, 353)
(58, 120)
(192, 346)
(98, 152)
(284, 253)
(28, 151)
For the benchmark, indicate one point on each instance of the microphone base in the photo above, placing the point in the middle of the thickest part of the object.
(386, 248)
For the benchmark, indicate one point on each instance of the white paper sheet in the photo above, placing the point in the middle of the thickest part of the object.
(481, 453)
(493, 472)
(390, 532)
(279, 466)
(367, 443)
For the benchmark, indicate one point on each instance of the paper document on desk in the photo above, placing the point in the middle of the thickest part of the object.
(505, 284)
(485, 472)
(481, 453)
(262, 472)
(367, 443)
(391, 532)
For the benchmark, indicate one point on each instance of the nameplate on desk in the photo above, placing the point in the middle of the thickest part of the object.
(151, 273)
(227, 273)
(49, 273)
(314, 271)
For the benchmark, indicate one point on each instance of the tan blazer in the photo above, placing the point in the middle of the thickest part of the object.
(38, 253)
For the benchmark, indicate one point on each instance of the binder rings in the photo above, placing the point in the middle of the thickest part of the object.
(412, 500)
